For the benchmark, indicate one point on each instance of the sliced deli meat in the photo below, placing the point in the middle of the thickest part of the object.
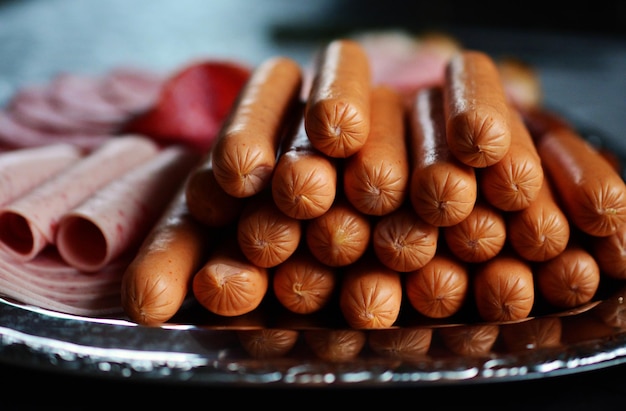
(119, 215)
(29, 223)
(22, 170)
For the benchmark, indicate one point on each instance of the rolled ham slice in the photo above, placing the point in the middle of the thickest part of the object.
(119, 215)
(29, 223)
(22, 170)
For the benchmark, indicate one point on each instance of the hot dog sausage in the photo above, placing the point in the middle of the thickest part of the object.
(370, 295)
(480, 236)
(471, 340)
(522, 83)
(158, 279)
(610, 253)
(268, 342)
(335, 345)
(477, 112)
(266, 236)
(439, 289)
(592, 193)
(340, 236)
(540, 332)
(206, 199)
(514, 182)
(403, 241)
(406, 344)
(376, 177)
(540, 231)
(337, 114)
(442, 189)
(504, 288)
(304, 182)
(245, 150)
(302, 284)
(569, 279)
(228, 284)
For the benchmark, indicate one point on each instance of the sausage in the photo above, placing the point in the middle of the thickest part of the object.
(610, 253)
(304, 183)
(472, 340)
(504, 288)
(29, 223)
(158, 279)
(541, 231)
(116, 218)
(514, 182)
(522, 83)
(337, 113)
(480, 237)
(477, 112)
(206, 200)
(335, 346)
(246, 148)
(540, 332)
(442, 190)
(228, 284)
(23, 169)
(439, 289)
(265, 235)
(302, 284)
(370, 294)
(570, 279)
(268, 342)
(403, 241)
(592, 193)
(340, 236)
(406, 344)
(375, 179)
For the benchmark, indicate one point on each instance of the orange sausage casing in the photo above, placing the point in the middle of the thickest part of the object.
(302, 284)
(265, 235)
(540, 231)
(570, 279)
(375, 179)
(304, 183)
(480, 236)
(504, 288)
(442, 189)
(335, 345)
(403, 241)
(158, 279)
(514, 182)
(207, 201)
(245, 151)
(268, 342)
(405, 344)
(477, 112)
(438, 289)
(337, 114)
(370, 295)
(592, 193)
(228, 284)
(610, 253)
(340, 236)
(470, 340)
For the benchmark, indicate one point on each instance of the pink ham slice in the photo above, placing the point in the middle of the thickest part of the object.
(22, 170)
(119, 215)
(131, 89)
(29, 223)
(48, 282)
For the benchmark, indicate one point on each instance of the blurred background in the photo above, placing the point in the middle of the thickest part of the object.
(579, 49)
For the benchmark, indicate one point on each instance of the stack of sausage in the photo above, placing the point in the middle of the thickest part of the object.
(352, 189)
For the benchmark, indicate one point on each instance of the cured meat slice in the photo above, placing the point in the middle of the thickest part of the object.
(119, 215)
(22, 170)
(131, 89)
(29, 223)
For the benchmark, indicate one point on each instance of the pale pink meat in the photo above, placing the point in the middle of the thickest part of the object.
(131, 89)
(22, 170)
(29, 224)
(118, 216)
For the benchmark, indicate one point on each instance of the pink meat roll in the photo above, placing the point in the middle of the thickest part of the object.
(29, 224)
(118, 216)
(22, 170)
